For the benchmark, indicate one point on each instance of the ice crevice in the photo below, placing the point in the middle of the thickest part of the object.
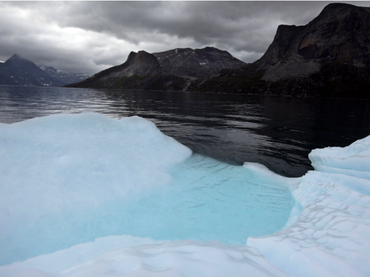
(327, 234)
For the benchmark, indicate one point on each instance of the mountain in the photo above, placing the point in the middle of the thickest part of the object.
(170, 70)
(340, 34)
(65, 77)
(196, 63)
(330, 56)
(20, 71)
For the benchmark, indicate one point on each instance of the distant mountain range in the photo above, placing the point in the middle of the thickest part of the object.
(330, 56)
(20, 71)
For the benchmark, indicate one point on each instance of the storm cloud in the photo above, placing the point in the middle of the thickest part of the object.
(87, 37)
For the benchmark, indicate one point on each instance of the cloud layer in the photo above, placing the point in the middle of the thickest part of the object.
(88, 37)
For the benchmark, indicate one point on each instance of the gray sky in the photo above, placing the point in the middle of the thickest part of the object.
(87, 37)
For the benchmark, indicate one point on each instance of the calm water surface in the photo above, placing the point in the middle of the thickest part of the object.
(278, 132)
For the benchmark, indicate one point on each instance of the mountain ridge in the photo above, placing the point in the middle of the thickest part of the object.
(199, 62)
(169, 70)
(327, 57)
(18, 70)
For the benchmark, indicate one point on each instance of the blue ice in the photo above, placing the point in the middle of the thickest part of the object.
(69, 179)
(106, 197)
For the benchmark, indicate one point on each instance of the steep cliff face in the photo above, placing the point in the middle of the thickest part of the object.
(134, 73)
(281, 44)
(140, 64)
(340, 34)
(330, 56)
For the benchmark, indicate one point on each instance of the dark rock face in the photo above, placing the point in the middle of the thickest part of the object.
(330, 56)
(137, 72)
(283, 40)
(141, 64)
(169, 70)
(341, 33)
(20, 71)
(189, 62)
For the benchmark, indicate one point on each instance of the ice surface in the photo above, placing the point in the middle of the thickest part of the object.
(55, 170)
(331, 236)
(70, 179)
(352, 160)
(182, 258)
(328, 233)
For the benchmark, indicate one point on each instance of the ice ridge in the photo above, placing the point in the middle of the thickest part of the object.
(331, 236)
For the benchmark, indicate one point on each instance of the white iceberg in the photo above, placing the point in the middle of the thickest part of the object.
(331, 236)
(327, 234)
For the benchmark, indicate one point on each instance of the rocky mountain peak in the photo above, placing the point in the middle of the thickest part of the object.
(146, 63)
(340, 33)
(23, 72)
(140, 64)
(15, 57)
(18, 60)
(343, 12)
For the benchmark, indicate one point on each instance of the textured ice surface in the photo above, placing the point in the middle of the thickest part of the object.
(70, 179)
(331, 236)
(328, 233)
(352, 160)
(182, 258)
(55, 170)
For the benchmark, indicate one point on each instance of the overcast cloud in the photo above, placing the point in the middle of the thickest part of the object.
(87, 37)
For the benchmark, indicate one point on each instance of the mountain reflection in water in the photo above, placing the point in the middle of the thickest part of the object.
(278, 132)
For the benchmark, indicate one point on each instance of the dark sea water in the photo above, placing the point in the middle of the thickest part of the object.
(278, 132)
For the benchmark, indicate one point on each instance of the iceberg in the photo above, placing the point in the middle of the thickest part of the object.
(324, 229)
(331, 236)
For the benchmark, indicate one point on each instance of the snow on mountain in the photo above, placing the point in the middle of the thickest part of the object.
(65, 77)
(20, 71)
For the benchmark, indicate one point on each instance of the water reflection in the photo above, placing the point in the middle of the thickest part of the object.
(278, 132)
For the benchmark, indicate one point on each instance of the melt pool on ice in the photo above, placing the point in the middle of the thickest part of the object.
(62, 174)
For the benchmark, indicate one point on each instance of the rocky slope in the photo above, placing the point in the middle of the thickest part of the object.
(20, 71)
(189, 62)
(170, 70)
(330, 56)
